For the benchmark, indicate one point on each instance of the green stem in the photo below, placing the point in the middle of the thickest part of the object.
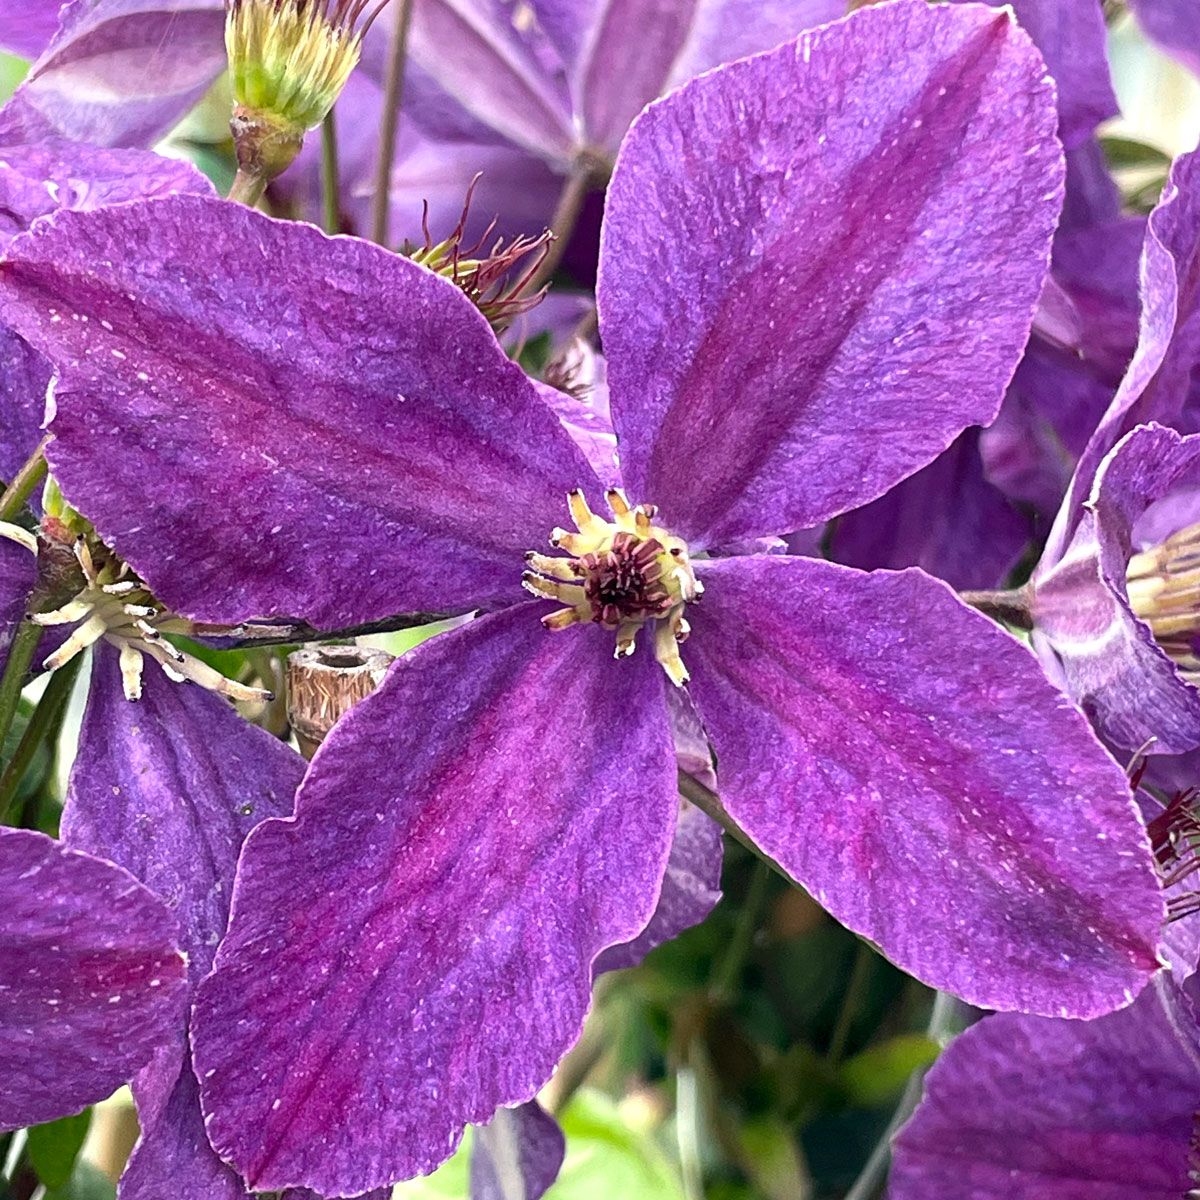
(860, 973)
(867, 1186)
(329, 174)
(26, 479)
(45, 719)
(1010, 607)
(729, 966)
(20, 658)
(248, 187)
(392, 93)
(566, 216)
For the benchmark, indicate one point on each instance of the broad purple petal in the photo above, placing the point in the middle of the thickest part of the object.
(1073, 40)
(1158, 381)
(291, 409)
(24, 378)
(1109, 660)
(415, 949)
(584, 411)
(785, 270)
(169, 787)
(29, 26)
(474, 51)
(18, 572)
(1174, 25)
(37, 180)
(518, 1153)
(907, 762)
(91, 981)
(1025, 1108)
(690, 889)
(119, 72)
(947, 519)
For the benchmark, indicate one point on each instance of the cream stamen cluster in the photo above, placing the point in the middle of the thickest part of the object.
(1163, 586)
(619, 574)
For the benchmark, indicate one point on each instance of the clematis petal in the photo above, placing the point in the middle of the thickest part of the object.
(1158, 381)
(1073, 40)
(1110, 662)
(168, 787)
(908, 763)
(29, 26)
(24, 379)
(291, 409)
(621, 54)
(785, 270)
(18, 573)
(90, 979)
(691, 888)
(119, 72)
(1025, 1108)
(972, 542)
(1174, 25)
(518, 1153)
(459, 43)
(415, 949)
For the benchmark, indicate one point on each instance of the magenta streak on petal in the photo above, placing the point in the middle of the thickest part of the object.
(415, 949)
(908, 762)
(840, 323)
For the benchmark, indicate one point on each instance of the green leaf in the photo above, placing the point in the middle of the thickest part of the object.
(606, 1157)
(12, 71)
(770, 1157)
(1125, 152)
(86, 1183)
(52, 1149)
(879, 1073)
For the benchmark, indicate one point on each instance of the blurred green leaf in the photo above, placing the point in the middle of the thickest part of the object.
(1125, 152)
(53, 1148)
(770, 1157)
(606, 1157)
(879, 1073)
(12, 71)
(86, 1183)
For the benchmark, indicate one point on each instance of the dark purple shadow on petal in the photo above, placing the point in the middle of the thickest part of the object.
(91, 981)
(169, 787)
(1025, 1108)
(119, 72)
(907, 762)
(415, 949)
(24, 378)
(947, 519)
(518, 1153)
(321, 429)
(770, 258)
(18, 572)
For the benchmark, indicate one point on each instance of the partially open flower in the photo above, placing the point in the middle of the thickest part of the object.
(288, 63)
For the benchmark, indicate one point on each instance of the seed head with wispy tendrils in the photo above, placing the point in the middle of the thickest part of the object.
(485, 277)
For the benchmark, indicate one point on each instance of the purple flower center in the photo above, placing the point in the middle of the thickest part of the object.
(619, 574)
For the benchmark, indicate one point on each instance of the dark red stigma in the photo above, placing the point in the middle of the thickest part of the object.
(624, 583)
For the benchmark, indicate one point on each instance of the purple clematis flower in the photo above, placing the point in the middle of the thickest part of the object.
(1024, 1108)
(785, 273)
(91, 981)
(1109, 600)
(1174, 25)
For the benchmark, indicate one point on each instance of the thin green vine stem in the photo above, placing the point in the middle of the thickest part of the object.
(23, 483)
(329, 174)
(860, 974)
(46, 718)
(20, 658)
(729, 966)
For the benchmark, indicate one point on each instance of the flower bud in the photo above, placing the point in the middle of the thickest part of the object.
(288, 63)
